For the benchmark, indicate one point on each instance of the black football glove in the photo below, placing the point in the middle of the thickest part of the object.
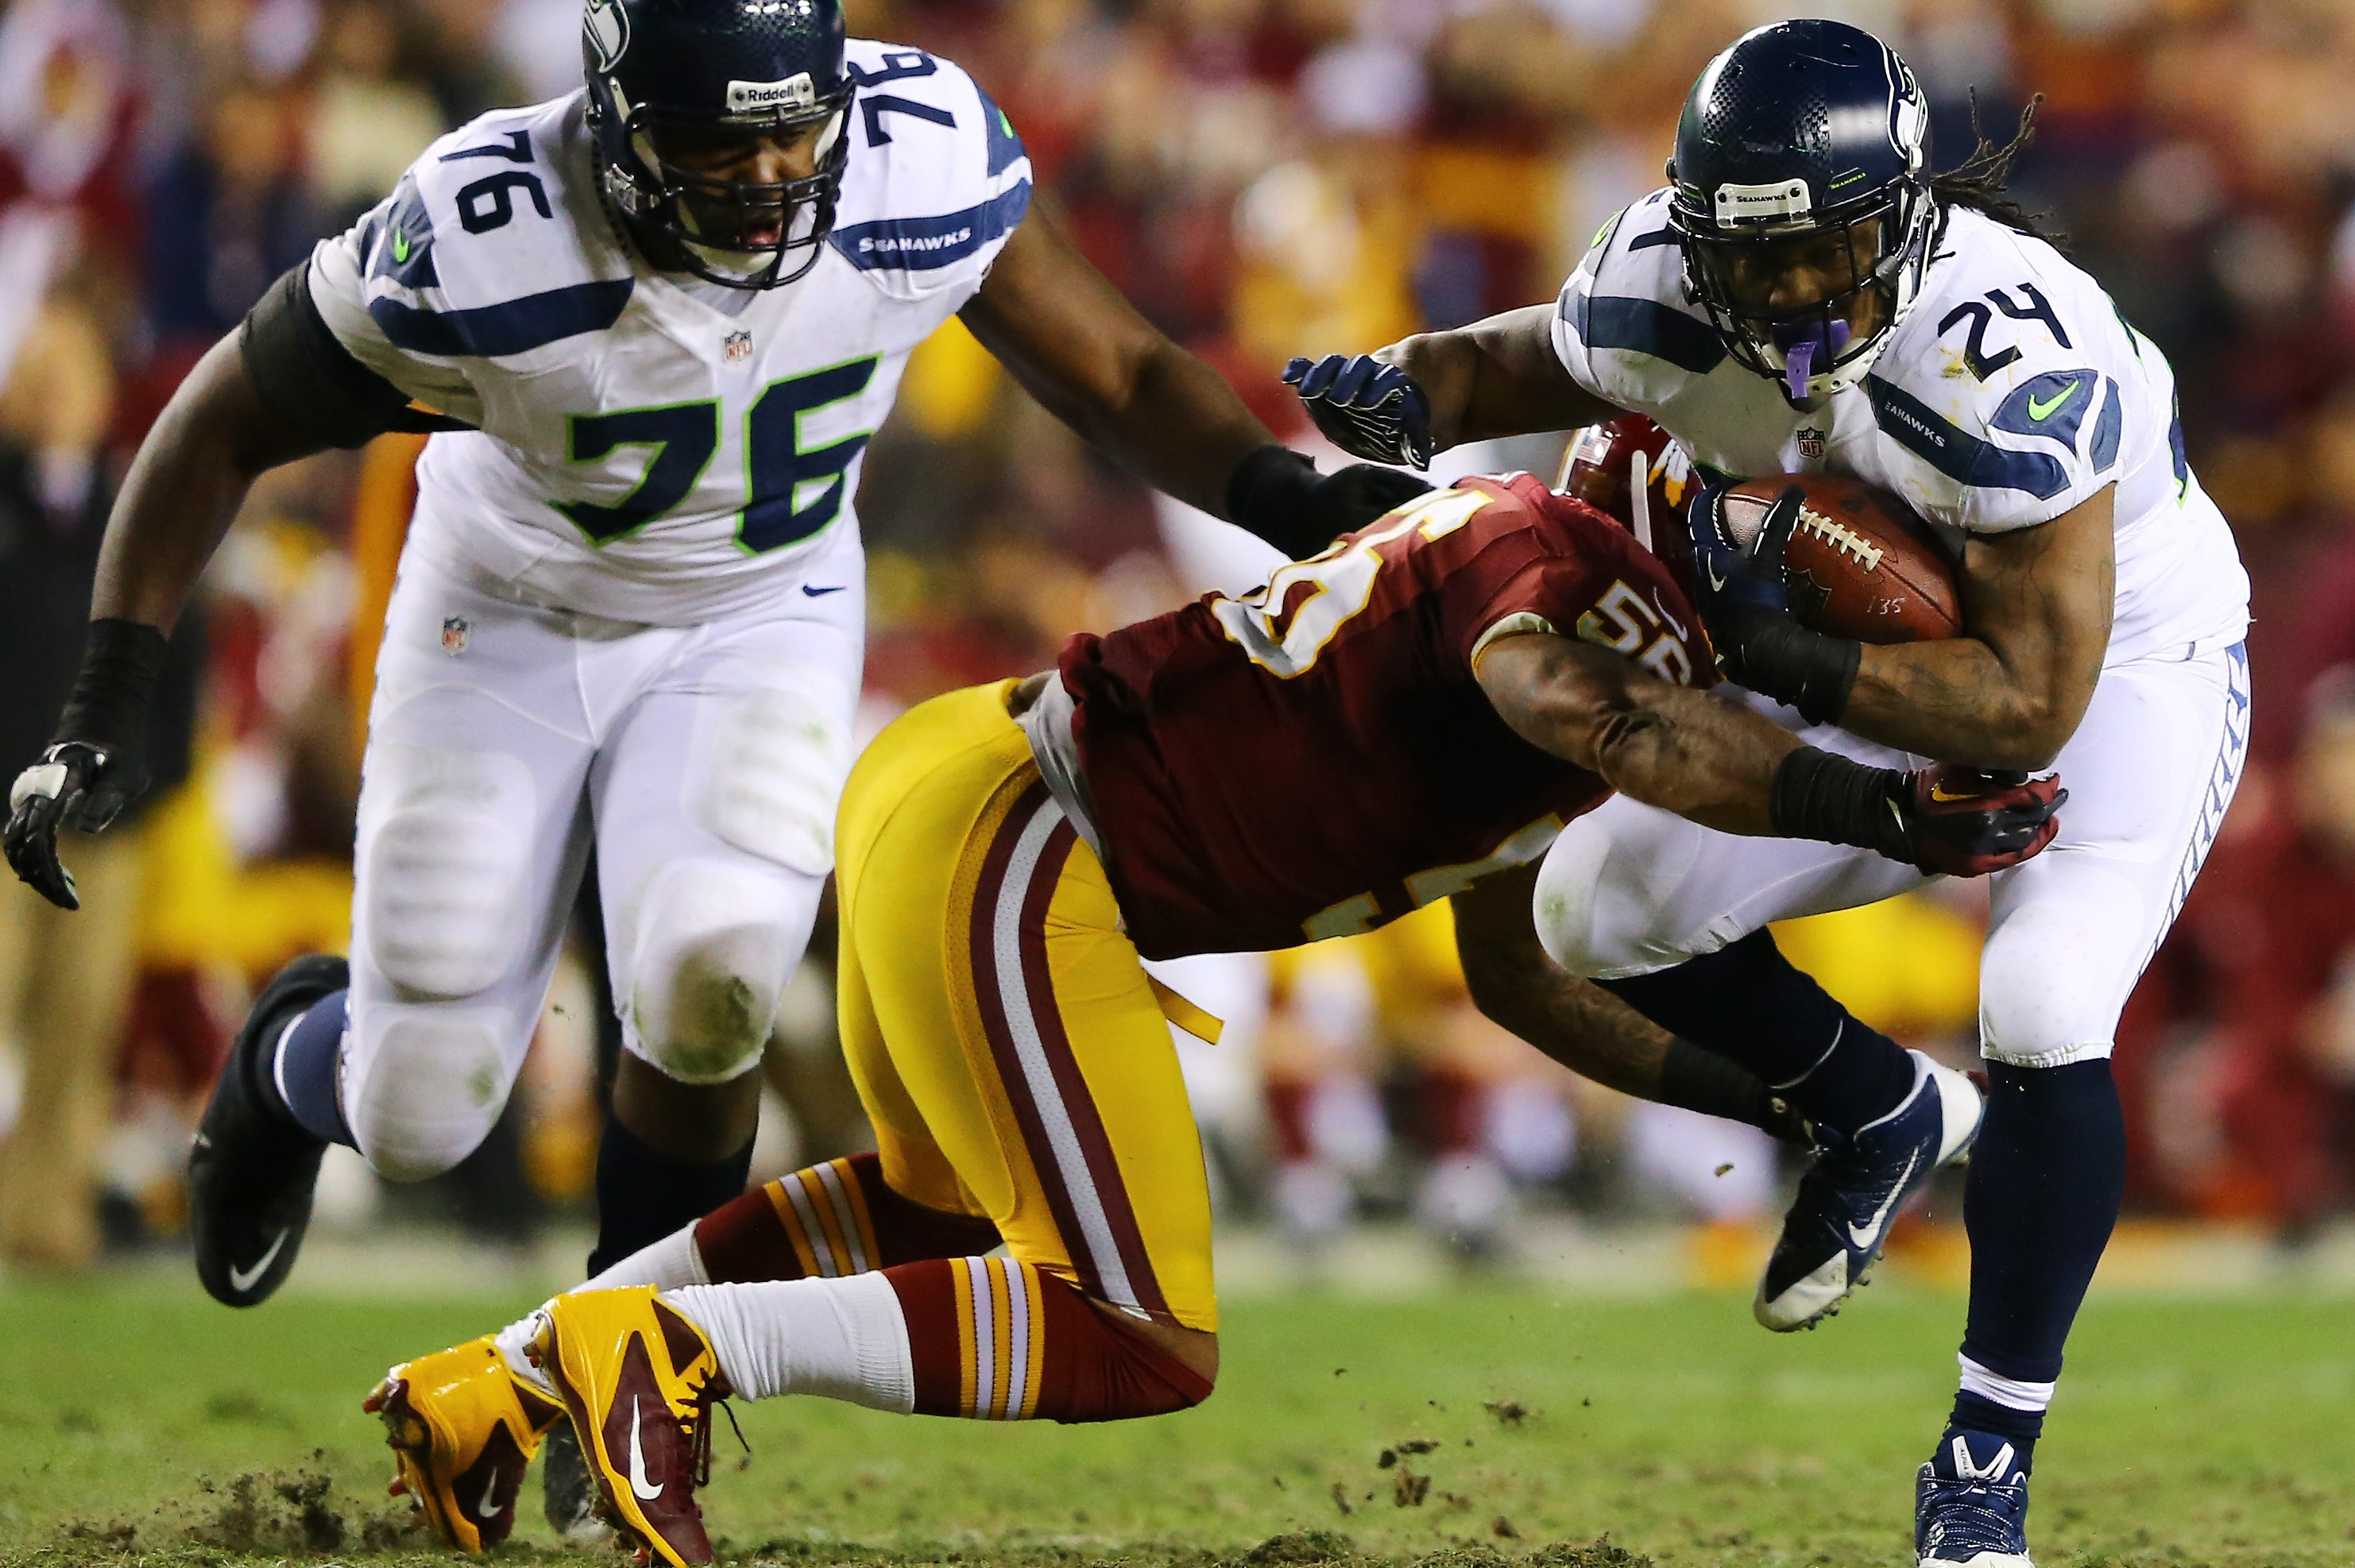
(1278, 494)
(1944, 820)
(1961, 821)
(1745, 601)
(1366, 408)
(97, 765)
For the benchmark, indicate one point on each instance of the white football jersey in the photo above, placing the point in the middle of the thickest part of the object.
(2012, 391)
(639, 454)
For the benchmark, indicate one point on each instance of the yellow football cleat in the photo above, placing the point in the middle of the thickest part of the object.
(462, 1431)
(639, 1381)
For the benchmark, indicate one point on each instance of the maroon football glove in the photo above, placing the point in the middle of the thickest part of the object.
(1964, 822)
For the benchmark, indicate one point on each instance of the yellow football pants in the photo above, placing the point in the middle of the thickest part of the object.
(1011, 1052)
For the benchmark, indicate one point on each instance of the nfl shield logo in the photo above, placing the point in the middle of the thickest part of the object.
(738, 346)
(1811, 442)
(453, 634)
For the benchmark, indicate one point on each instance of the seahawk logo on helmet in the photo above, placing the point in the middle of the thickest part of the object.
(697, 106)
(1802, 168)
(605, 34)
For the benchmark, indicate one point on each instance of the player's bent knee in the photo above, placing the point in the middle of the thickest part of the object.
(715, 946)
(1112, 1369)
(445, 870)
(425, 1086)
(1569, 883)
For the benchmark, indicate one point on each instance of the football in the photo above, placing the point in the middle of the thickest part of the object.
(1861, 564)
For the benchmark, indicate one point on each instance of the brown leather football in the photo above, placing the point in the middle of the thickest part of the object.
(1861, 563)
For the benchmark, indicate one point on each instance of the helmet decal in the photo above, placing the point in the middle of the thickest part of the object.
(1735, 202)
(793, 93)
(606, 27)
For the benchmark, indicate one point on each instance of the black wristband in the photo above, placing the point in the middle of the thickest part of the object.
(1816, 795)
(1811, 672)
(118, 666)
(1271, 493)
(1701, 1080)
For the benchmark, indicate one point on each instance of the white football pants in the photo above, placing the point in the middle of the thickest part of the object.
(704, 762)
(1628, 889)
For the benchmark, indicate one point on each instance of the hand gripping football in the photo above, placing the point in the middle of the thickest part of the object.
(1861, 563)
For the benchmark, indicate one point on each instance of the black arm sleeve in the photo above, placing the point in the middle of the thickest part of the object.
(310, 381)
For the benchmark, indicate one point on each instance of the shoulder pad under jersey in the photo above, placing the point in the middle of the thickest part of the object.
(936, 179)
(2009, 385)
(1622, 323)
(494, 244)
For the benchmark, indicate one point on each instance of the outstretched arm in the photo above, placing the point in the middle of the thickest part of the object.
(1083, 351)
(184, 489)
(1583, 1026)
(1519, 988)
(1076, 344)
(218, 432)
(1650, 739)
(1496, 378)
(1728, 768)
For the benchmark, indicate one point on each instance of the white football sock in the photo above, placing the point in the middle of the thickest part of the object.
(671, 1262)
(838, 1338)
(2011, 1393)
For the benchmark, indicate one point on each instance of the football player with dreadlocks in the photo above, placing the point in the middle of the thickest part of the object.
(1805, 294)
(654, 324)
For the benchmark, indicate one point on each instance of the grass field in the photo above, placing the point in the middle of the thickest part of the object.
(2205, 1431)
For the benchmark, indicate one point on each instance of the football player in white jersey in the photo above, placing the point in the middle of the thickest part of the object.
(1807, 295)
(654, 322)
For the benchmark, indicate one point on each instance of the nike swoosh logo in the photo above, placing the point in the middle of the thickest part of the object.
(1861, 1236)
(2041, 409)
(1938, 794)
(1663, 609)
(489, 1507)
(242, 1280)
(638, 1456)
(815, 592)
(400, 246)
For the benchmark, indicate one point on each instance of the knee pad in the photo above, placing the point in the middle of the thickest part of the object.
(1568, 882)
(445, 869)
(2056, 972)
(711, 956)
(772, 756)
(1613, 900)
(423, 1085)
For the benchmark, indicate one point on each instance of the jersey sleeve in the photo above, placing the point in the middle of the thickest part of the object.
(1579, 574)
(481, 253)
(1621, 325)
(2021, 410)
(947, 180)
(341, 271)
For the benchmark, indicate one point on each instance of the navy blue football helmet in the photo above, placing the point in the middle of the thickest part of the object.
(1804, 150)
(709, 81)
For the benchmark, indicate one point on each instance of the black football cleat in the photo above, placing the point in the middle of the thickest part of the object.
(251, 1169)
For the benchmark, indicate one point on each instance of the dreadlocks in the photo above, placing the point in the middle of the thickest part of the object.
(1978, 181)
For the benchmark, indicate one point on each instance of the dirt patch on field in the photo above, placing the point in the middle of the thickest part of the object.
(268, 1514)
(270, 1518)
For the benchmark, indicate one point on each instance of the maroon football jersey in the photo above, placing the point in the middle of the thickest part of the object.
(1315, 758)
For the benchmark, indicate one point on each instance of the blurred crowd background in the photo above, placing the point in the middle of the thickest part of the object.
(1262, 177)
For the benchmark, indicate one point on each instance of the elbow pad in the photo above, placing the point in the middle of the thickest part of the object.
(309, 380)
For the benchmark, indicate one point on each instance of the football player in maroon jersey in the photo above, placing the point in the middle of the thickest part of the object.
(1411, 716)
